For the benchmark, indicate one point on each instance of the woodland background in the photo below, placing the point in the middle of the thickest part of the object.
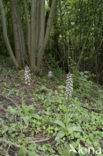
(75, 28)
(49, 113)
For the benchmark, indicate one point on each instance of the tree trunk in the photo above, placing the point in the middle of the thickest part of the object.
(28, 26)
(6, 36)
(37, 36)
(20, 49)
(49, 24)
(33, 36)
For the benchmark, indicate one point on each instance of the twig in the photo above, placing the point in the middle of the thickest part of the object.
(86, 145)
(19, 146)
(9, 143)
(92, 109)
(42, 140)
(3, 109)
(9, 99)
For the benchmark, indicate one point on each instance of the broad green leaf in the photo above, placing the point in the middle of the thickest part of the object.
(22, 151)
(12, 110)
(60, 123)
(26, 120)
(59, 136)
(74, 129)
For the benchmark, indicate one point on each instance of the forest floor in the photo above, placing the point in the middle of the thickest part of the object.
(37, 120)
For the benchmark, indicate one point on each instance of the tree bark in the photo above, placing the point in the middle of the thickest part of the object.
(20, 48)
(33, 36)
(42, 26)
(49, 24)
(37, 36)
(28, 26)
(5, 35)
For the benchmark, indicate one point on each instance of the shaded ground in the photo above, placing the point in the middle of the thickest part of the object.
(35, 127)
(13, 90)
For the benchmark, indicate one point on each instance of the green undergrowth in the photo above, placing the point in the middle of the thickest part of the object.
(50, 125)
